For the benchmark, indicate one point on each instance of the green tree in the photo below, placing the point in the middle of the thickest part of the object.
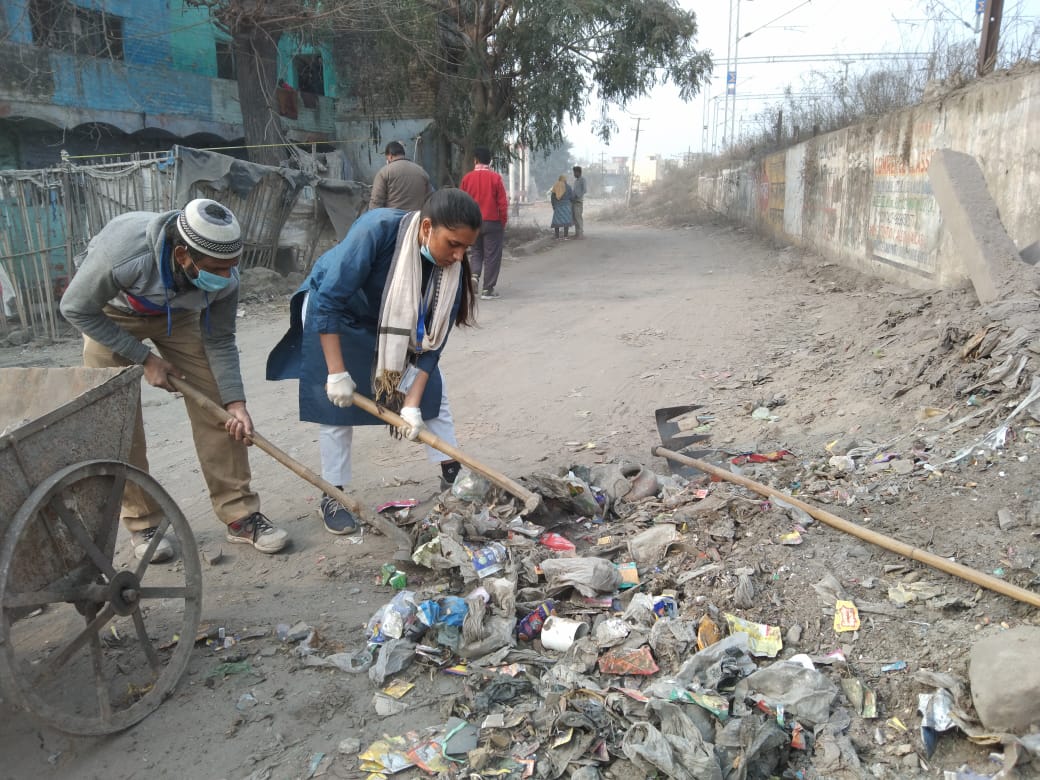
(255, 27)
(518, 69)
(498, 70)
(547, 166)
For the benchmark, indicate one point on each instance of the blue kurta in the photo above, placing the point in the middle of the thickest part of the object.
(346, 291)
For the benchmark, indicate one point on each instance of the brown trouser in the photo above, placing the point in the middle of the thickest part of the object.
(224, 461)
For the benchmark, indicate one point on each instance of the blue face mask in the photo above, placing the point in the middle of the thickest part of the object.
(424, 250)
(210, 282)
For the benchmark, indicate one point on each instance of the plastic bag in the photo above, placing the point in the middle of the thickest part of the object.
(394, 655)
(470, 487)
(557, 542)
(391, 620)
(356, 662)
(582, 496)
(805, 693)
(647, 748)
(624, 662)
(648, 547)
(448, 611)
(590, 576)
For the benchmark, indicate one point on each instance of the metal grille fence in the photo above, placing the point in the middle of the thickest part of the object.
(48, 216)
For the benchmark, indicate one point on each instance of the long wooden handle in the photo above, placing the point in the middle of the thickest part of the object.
(531, 500)
(390, 530)
(885, 542)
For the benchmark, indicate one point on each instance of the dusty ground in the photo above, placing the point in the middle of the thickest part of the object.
(566, 369)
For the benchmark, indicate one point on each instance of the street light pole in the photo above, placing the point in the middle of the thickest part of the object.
(730, 66)
(736, 48)
(632, 172)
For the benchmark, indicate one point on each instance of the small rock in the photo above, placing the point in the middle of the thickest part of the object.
(794, 635)
(902, 466)
(350, 746)
(297, 632)
(1005, 680)
(909, 761)
(842, 445)
(213, 557)
(1005, 519)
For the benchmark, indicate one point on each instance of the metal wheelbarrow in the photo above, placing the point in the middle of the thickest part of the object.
(85, 646)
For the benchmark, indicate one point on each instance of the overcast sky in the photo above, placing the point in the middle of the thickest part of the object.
(671, 127)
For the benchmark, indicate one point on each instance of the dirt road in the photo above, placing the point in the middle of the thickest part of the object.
(565, 368)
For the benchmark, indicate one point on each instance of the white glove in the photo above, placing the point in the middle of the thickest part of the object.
(340, 389)
(413, 422)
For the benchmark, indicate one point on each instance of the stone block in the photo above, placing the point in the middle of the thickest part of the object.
(970, 215)
(1005, 680)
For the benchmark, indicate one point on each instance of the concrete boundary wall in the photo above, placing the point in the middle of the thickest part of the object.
(862, 196)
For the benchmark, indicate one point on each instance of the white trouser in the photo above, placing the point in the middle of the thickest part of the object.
(335, 440)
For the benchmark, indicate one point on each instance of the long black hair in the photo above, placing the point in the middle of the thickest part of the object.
(452, 208)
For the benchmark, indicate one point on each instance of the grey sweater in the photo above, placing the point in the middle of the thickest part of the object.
(124, 268)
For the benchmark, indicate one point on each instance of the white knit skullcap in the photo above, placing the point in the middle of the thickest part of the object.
(211, 229)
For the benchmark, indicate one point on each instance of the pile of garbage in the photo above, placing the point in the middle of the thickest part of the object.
(589, 647)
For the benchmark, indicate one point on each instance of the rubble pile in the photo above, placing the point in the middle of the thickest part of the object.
(648, 625)
(639, 625)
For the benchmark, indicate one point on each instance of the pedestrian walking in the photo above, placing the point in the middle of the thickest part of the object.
(400, 184)
(486, 188)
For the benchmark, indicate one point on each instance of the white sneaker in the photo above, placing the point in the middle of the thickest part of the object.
(141, 539)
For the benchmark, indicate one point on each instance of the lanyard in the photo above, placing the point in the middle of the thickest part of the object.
(420, 326)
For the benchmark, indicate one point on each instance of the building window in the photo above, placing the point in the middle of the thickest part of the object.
(58, 24)
(226, 60)
(98, 34)
(310, 73)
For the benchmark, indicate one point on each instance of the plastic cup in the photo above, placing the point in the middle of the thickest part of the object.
(560, 633)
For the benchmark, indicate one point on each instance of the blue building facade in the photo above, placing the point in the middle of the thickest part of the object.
(95, 77)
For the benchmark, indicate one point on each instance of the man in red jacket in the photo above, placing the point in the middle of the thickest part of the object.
(486, 188)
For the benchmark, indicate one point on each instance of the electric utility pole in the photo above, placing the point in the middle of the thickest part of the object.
(992, 14)
(632, 168)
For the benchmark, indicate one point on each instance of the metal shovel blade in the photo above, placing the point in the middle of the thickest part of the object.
(671, 427)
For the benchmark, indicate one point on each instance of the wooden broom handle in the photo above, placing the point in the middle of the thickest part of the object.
(886, 542)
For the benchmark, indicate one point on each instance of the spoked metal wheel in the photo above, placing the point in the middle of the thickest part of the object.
(84, 646)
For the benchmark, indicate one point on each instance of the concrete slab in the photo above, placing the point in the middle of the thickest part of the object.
(971, 217)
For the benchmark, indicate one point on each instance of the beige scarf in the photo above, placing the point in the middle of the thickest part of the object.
(399, 312)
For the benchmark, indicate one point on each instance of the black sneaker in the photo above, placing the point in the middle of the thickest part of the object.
(258, 531)
(337, 518)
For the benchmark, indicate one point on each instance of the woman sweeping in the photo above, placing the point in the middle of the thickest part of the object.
(561, 196)
(373, 316)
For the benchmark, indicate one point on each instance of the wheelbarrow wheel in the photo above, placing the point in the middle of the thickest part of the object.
(86, 646)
